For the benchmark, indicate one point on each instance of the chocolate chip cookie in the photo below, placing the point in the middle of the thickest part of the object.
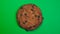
(29, 16)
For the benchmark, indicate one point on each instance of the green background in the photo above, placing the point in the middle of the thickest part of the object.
(50, 10)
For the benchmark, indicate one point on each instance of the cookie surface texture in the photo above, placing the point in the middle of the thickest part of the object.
(29, 16)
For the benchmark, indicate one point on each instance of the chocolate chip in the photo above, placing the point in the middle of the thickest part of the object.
(38, 16)
(20, 14)
(34, 26)
(25, 14)
(35, 15)
(24, 22)
(32, 6)
(31, 9)
(30, 27)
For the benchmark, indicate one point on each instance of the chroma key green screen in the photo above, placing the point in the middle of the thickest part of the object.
(50, 11)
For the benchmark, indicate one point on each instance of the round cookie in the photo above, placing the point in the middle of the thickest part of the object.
(29, 17)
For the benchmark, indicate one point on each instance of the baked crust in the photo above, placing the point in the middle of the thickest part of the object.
(29, 17)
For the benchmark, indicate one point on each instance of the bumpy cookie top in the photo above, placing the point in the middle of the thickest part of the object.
(29, 16)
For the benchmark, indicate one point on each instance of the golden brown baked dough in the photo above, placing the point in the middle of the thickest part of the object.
(29, 17)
